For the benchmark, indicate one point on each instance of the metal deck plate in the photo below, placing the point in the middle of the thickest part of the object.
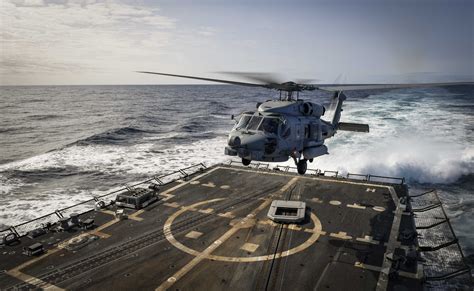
(211, 232)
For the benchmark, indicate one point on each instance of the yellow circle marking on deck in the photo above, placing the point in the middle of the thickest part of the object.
(315, 233)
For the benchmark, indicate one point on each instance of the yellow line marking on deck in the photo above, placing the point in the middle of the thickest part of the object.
(101, 234)
(174, 204)
(206, 254)
(134, 216)
(109, 212)
(16, 273)
(98, 231)
(167, 192)
(167, 196)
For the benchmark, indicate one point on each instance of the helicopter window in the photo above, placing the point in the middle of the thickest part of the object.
(244, 120)
(270, 125)
(254, 122)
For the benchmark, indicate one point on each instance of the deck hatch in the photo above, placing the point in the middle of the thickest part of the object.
(287, 211)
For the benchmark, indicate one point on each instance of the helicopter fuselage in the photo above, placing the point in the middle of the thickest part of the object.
(279, 130)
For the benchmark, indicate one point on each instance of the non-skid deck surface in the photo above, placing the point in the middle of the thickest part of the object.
(212, 233)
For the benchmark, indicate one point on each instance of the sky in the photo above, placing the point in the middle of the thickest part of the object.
(67, 42)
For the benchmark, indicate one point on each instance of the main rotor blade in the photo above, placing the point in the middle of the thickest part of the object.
(341, 87)
(266, 78)
(207, 79)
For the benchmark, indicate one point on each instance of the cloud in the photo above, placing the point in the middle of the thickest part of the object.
(71, 37)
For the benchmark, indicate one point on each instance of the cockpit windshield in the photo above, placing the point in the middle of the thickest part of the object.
(244, 120)
(254, 123)
(259, 123)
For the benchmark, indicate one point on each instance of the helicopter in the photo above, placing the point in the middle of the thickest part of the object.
(290, 127)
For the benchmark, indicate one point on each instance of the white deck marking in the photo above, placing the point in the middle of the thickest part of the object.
(356, 206)
(380, 209)
(368, 239)
(193, 234)
(210, 184)
(249, 247)
(335, 202)
(370, 190)
(341, 235)
(316, 200)
(225, 187)
(226, 215)
(206, 211)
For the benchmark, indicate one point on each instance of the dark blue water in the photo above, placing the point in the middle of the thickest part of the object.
(61, 145)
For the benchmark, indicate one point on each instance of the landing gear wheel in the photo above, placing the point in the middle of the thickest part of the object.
(246, 162)
(302, 166)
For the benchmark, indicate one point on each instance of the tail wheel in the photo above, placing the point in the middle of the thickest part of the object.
(246, 162)
(302, 166)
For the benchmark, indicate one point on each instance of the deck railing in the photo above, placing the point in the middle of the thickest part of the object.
(88, 205)
(326, 173)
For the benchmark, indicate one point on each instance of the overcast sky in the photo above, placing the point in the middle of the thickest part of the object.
(104, 42)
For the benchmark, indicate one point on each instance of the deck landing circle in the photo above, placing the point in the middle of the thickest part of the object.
(315, 233)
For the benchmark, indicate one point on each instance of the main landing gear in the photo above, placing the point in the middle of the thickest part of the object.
(302, 166)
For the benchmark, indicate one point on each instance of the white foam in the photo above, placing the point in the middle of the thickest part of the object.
(136, 159)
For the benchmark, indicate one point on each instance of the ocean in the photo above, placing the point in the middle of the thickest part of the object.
(60, 145)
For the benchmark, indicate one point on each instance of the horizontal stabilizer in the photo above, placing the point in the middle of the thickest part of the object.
(353, 127)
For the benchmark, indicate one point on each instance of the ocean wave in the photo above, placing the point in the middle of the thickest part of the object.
(40, 117)
(137, 159)
(114, 136)
(418, 160)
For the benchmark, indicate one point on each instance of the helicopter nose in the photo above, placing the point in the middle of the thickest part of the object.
(234, 141)
(254, 142)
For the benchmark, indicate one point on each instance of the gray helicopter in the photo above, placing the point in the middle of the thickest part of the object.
(290, 127)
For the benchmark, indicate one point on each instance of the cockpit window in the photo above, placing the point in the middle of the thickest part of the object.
(270, 125)
(244, 120)
(285, 131)
(254, 123)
